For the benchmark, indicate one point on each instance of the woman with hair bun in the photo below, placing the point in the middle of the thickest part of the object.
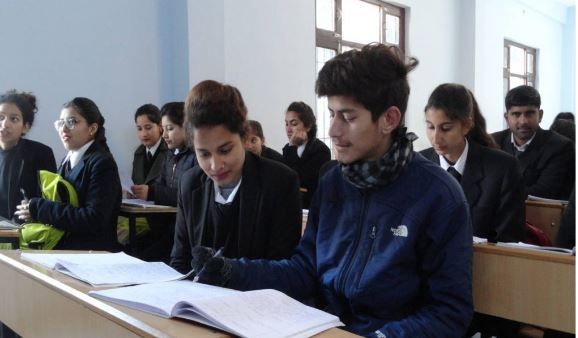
(234, 199)
(20, 158)
(90, 168)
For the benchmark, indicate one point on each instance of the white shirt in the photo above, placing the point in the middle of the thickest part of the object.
(154, 148)
(460, 164)
(523, 146)
(74, 156)
(222, 200)
(301, 149)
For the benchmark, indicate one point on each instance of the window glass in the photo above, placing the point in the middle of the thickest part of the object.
(323, 55)
(516, 81)
(324, 13)
(530, 63)
(517, 60)
(392, 29)
(361, 21)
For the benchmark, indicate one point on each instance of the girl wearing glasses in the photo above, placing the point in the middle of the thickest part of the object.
(91, 169)
(20, 158)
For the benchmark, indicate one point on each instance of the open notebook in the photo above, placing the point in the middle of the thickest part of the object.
(259, 313)
(106, 269)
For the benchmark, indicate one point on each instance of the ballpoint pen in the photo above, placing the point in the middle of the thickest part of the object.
(219, 253)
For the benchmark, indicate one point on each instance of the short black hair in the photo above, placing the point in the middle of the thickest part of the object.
(523, 96)
(26, 103)
(256, 128)
(375, 76)
(151, 111)
(175, 111)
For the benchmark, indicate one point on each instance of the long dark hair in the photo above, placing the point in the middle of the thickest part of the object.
(459, 103)
(89, 110)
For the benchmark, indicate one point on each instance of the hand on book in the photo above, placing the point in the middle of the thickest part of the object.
(210, 267)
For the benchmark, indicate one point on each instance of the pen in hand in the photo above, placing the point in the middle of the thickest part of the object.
(24, 195)
(23, 212)
(219, 253)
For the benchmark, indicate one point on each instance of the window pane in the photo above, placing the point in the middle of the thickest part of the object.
(530, 63)
(517, 60)
(325, 14)
(392, 29)
(516, 81)
(361, 21)
(323, 55)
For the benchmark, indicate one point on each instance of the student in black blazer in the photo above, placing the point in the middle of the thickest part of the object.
(91, 169)
(304, 153)
(546, 158)
(255, 142)
(20, 159)
(149, 157)
(236, 200)
(490, 179)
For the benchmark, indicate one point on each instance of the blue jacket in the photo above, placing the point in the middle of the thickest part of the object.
(395, 260)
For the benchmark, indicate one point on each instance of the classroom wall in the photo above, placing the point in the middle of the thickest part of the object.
(538, 24)
(126, 53)
(121, 54)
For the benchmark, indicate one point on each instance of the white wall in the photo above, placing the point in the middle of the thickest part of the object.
(121, 54)
(266, 50)
(538, 24)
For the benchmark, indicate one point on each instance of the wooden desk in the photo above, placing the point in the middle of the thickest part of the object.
(10, 236)
(41, 303)
(528, 286)
(546, 216)
(132, 213)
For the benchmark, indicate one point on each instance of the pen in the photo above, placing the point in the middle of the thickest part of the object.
(24, 194)
(219, 253)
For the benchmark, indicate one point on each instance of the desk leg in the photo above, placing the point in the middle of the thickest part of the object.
(132, 234)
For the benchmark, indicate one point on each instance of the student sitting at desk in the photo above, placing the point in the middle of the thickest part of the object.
(304, 153)
(490, 178)
(388, 243)
(164, 189)
(255, 142)
(150, 155)
(20, 159)
(91, 169)
(234, 199)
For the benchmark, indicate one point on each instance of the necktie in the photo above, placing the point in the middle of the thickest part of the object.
(455, 173)
(149, 156)
(66, 167)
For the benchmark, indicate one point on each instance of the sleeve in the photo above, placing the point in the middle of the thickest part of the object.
(181, 252)
(160, 191)
(510, 214)
(100, 179)
(447, 305)
(295, 276)
(286, 218)
(557, 173)
(309, 170)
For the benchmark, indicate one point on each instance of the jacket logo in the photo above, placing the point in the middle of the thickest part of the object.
(400, 231)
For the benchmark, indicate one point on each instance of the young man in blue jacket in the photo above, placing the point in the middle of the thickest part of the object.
(388, 243)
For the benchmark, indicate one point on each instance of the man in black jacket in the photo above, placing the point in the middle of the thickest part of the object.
(546, 158)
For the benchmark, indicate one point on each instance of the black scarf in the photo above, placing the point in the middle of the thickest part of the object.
(379, 173)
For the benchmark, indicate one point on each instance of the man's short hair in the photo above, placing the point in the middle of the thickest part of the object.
(376, 76)
(523, 96)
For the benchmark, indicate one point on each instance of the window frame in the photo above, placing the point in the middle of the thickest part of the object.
(529, 78)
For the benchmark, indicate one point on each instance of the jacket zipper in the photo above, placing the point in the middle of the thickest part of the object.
(345, 272)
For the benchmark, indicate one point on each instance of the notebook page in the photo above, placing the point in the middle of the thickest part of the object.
(49, 260)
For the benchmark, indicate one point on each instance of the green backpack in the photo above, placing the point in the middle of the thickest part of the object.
(44, 236)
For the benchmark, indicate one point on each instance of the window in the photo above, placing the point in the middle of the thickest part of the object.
(343, 25)
(519, 65)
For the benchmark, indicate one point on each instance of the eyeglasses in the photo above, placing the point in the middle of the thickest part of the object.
(69, 122)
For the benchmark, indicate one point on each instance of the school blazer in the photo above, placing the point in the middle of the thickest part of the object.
(547, 164)
(269, 212)
(138, 163)
(315, 154)
(92, 226)
(493, 185)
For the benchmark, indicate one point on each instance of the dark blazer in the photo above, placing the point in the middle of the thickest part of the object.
(492, 183)
(271, 154)
(164, 190)
(307, 166)
(547, 164)
(269, 219)
(138, 164)
(92, 226)
(31, 156)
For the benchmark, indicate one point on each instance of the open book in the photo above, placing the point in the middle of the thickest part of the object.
(9, 225)
(539, 248)
(546, 200)
(135, 202)
(259, 313)
(106, 269)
